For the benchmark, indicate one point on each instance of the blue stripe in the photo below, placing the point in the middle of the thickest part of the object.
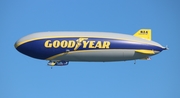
(36, 48)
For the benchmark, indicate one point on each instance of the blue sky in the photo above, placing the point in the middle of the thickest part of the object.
(25, 77)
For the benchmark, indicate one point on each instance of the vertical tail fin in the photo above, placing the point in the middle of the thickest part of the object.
(144, 33)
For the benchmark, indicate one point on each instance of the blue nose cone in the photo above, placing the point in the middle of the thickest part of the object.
(34, 48)
(29, 49)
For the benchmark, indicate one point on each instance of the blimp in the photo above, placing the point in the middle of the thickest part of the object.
(59, 48)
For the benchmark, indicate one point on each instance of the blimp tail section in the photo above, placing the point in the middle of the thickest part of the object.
(144, 33)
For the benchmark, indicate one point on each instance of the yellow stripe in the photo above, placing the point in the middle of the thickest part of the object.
(26, 41)
(61, 54)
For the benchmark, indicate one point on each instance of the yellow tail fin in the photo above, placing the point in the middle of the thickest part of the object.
(144, 33)
(145, 51)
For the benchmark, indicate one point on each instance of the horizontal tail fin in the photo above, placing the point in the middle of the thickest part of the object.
(144, 33)
(145, 51)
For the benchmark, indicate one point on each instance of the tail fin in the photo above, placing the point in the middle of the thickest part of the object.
(144, 33)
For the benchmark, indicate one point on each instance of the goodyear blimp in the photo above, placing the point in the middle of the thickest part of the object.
(61, 47)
